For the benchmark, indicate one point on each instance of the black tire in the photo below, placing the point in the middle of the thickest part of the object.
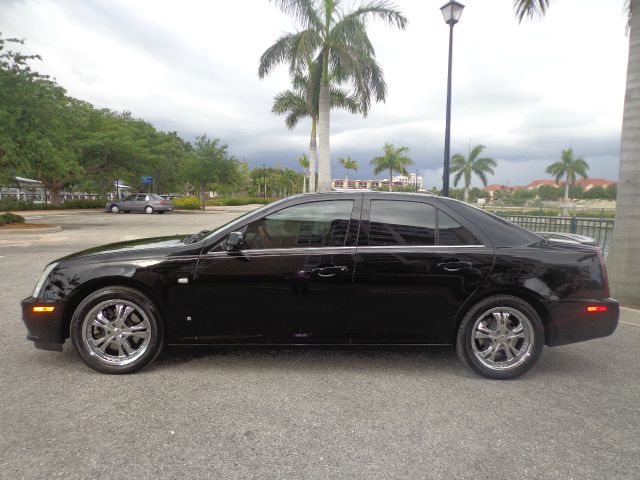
(114, 208)
(87, 330)
(475, 347)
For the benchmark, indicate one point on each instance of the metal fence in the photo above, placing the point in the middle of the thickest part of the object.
(600, 229)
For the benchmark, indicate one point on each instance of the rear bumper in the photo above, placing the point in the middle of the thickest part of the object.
(44, 328)
(569, 321)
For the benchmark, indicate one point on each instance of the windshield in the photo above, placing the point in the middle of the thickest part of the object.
(238, 220)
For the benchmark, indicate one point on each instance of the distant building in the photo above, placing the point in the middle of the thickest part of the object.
(589, 183)
(398, 181)
(586, 183)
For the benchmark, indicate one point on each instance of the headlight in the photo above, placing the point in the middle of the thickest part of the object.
(43, 278)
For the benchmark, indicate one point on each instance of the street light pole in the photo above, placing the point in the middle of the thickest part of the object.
(264, 174)
(451, 13)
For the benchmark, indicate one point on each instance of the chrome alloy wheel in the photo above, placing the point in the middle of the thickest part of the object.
(502, 338)
(116, 332)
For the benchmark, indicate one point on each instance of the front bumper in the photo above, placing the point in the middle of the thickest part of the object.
(569, 321)
(44, 328)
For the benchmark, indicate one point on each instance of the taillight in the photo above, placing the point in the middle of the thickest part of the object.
(597, 308)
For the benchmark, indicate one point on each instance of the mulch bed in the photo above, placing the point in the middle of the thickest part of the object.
(26, 226)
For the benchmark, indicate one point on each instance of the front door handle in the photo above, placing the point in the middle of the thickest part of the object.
(329, 271)
(454, 266)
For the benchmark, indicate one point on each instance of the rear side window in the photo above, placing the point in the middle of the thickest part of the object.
(401, 223)
(317, 224)
(451, 232)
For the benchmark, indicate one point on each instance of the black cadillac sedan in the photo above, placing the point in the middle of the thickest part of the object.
(348, 268)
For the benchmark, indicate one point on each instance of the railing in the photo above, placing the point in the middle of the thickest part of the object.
(600, 229)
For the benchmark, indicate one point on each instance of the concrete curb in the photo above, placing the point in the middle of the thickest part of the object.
(630, 316)
(26, 231)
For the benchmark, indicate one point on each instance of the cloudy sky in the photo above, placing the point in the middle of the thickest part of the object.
(525, 91)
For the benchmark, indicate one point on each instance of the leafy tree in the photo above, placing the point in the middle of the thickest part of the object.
(393, 160)
(625, 277)
(302, 101)
(522, 196)
(612, 191)
(568, 167)
(464, 168)
(549, 192)
(210, 166)
(339, 43)
(348, 164)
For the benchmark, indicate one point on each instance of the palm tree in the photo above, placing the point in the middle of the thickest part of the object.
(348, 164)
(466, 167)
(394, 160)
(568, 167)
(302, 101)
(304, 163)
(624, 276)
(339, 42)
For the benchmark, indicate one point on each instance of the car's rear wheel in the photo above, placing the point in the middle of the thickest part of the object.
(117, 330)
(114, 209)
(160, 211)
(148, 209)
(501, 337)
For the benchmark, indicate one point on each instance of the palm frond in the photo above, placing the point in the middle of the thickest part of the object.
(304, 11)
(456, 179)
(530, 8)
(382, 10)
(276, 54)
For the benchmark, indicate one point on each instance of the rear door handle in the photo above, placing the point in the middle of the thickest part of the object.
(329, 271)
(454, 266)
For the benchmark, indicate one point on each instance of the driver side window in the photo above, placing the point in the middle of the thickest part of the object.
(317, 224)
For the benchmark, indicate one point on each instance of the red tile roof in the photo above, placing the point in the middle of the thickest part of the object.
(493, 187)
(594, 182)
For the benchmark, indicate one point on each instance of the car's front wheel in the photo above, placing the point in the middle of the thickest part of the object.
(114, 209)
(117, 330)
(501, 337)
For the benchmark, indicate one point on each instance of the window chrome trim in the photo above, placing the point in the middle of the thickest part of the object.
(333, 250)
(418, 247)
(277, 251)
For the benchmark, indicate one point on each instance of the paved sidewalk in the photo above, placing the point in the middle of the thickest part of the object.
(630, 316)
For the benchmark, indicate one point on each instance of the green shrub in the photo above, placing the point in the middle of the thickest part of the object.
(235, 201)
(9, 218)
(187, 203)
(13, 204)
(99, 203)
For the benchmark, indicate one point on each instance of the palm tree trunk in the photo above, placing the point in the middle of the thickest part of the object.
(324, 156)
(312, 156)
(565, 201)
(625, 248)
(304, 182)
(466, 193)
(346, 178)
(390, 173)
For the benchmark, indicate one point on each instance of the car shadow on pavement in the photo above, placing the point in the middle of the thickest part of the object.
(423, 360)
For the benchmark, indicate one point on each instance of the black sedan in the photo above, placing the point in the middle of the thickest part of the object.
(330, 269)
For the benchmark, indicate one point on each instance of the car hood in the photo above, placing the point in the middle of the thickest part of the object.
(141, 246)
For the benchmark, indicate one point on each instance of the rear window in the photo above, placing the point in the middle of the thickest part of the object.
(401, 223)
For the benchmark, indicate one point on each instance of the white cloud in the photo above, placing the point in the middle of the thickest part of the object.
(525, 91)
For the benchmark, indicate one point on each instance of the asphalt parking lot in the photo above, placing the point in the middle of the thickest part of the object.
(292, 414)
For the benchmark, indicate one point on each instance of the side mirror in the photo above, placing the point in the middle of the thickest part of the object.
(235, 242)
